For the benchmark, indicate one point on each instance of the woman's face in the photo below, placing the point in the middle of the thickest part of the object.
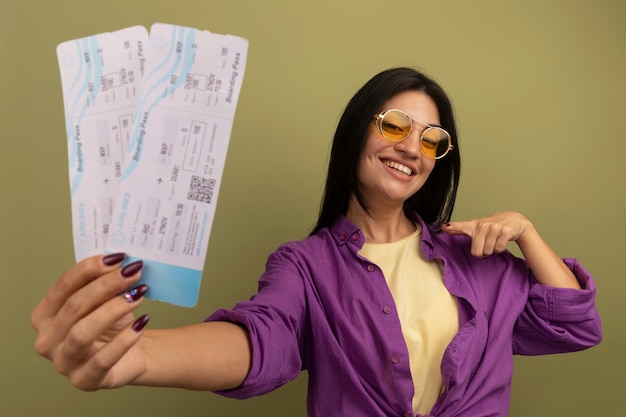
(390, 172)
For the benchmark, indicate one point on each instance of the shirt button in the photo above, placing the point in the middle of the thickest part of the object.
(371, 268)
(408, 414)
(355, 236)
(395, 358)
(342, 237)
(386, 310)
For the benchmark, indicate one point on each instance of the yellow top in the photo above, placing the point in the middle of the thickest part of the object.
(428, 312)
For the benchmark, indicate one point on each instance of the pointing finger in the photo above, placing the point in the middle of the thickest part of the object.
(459, 228)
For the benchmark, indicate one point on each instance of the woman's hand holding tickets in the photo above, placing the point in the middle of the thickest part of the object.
(85, 323)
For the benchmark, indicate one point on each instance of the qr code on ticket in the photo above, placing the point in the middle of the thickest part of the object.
(201, 189)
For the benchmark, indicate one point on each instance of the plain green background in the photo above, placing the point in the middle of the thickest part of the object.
(539, 91)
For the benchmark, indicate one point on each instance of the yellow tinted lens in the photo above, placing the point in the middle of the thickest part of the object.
(435, 142)
(395, 125)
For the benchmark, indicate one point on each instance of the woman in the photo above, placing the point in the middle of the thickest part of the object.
(391, 308)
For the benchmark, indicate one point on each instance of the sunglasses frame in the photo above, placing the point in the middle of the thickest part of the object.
(378, 118)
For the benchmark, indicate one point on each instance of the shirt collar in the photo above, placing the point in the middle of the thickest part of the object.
(344, 232)
(427, 235)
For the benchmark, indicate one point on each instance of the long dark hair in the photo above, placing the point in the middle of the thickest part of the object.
(434, 201)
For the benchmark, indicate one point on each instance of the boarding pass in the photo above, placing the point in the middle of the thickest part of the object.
(149, 118)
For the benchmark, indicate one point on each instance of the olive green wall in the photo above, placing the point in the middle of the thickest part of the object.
(539, 91)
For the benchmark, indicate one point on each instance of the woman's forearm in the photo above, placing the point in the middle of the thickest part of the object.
(203, 356)
(545, 264)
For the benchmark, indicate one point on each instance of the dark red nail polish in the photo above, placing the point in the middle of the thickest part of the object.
(136, 293)
(131, 269)
(113, 259)
(140, 323)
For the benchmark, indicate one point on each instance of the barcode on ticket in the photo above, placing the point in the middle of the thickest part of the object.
(201, 189)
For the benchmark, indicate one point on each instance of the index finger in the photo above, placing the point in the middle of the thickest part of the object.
(71, 281)
(459, 228)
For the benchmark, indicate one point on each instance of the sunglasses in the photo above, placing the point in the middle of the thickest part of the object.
(395, 125)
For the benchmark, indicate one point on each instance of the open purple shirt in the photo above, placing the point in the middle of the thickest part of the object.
(323, 308)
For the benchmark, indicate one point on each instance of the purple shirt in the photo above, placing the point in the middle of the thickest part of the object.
(323, 308)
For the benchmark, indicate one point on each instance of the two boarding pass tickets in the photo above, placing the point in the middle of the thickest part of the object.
(148, 120)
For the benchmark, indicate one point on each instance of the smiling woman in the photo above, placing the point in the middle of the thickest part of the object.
(435, 200)
(391, 172)
(390, 307)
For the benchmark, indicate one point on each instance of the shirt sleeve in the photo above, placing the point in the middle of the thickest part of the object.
(274, 318)
(558, 320)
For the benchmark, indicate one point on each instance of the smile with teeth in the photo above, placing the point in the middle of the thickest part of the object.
(399, 167)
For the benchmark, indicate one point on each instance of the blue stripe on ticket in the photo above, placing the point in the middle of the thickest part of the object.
(170, 283)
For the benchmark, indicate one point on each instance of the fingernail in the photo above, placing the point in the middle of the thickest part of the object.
(131, 269)
(140, 323)
(136, 293)
(114, 258)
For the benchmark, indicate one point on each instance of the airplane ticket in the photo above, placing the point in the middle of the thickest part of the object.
(171, 168)
(101, 78)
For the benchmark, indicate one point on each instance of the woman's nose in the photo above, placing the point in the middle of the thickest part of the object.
(411, 144)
